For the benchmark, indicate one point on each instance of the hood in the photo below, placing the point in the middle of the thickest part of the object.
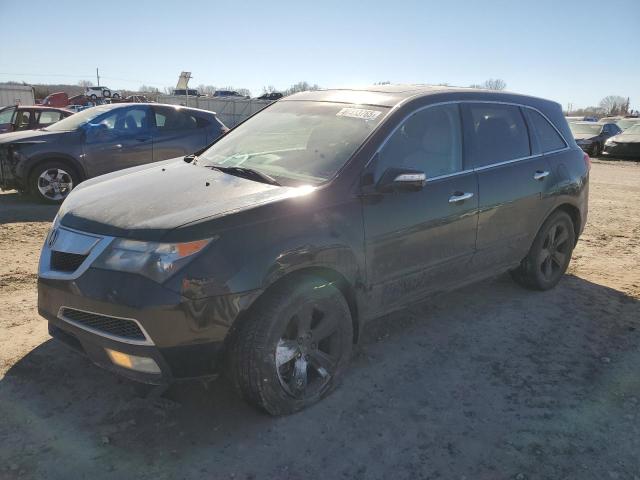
(29, 136)
(145, 203)
(584, 136)
(628, 138)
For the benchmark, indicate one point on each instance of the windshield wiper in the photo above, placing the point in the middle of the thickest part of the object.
(249, 173)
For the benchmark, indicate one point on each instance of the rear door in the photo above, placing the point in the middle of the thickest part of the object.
(120, 138)
(512, 179)
(177, 133)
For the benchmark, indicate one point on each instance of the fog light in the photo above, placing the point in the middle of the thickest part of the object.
(133, 362)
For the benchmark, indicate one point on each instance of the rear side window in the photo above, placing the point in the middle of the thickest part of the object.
(428, 141)
(49, 117)
(171, 119)
(548, 137)
(496, 133)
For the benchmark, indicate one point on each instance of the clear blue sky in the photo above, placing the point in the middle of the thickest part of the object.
(568, 50)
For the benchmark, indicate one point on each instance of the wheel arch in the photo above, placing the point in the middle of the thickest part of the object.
(574, 213)
(328, 274)
(75, 164)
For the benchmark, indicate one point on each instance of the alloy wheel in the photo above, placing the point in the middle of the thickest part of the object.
(555, 251)
(55, 184)
(308, 353)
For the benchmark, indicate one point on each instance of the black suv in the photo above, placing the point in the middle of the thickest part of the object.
(267, 253)
(50, 162)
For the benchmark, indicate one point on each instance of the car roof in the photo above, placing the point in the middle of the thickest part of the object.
(392, 95)
(41, 107)
(149, 104)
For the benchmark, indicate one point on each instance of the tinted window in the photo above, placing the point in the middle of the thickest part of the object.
(428, 141)
(170, 119)
(547, 135)
(497, 133)
(47, 118)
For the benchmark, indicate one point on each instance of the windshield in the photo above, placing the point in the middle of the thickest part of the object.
(77, 120)
(634, 130)
(627, 122)
(582, 128)
(296, 142)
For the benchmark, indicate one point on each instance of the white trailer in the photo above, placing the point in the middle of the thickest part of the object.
(16, 95)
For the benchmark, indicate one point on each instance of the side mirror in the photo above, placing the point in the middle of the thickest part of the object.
(401, 179)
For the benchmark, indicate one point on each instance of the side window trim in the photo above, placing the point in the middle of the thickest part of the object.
(469, 168)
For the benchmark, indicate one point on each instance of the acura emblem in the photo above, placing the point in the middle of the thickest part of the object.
(52, 237)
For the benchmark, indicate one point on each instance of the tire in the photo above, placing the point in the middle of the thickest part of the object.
(293, 347)
(116, 96)
(543, 266)
(52, 181)
(106, 93)
(93, 97)
(596, 150)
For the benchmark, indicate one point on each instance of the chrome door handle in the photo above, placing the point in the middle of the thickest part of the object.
(540, 175)
(460, 197)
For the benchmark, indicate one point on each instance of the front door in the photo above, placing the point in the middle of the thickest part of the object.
(417, 242)
(121, 138)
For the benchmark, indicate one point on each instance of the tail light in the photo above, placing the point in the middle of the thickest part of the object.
(587, 161)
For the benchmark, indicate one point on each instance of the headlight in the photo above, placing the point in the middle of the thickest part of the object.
(157, 261)
(610, 142)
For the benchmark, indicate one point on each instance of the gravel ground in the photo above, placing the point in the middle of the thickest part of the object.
(489, 382)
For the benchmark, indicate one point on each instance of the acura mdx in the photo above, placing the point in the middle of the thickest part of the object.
(264, 256)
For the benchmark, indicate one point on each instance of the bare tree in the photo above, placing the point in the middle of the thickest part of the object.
(614, 105)
(148, 89)
(207, 89)
(85, 83)
(495, 84)
(269, 89)
(300, 87)
(386, 82)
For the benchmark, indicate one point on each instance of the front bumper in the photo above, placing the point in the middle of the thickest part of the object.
(622, 150)
(185, 337)
(93, 309)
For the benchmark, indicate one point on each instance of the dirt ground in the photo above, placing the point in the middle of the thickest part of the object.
(489, 382)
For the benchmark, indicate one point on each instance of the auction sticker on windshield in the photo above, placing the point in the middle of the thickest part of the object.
(362, 113)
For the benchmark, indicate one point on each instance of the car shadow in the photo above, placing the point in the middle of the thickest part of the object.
(17, 207)
(492, 380)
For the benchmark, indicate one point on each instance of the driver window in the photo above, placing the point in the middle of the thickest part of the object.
(428, 141)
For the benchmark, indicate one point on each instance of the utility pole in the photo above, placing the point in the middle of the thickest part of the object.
(97, 76)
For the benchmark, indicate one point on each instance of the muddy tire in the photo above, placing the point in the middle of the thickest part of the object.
(293, 347)
(549, 255)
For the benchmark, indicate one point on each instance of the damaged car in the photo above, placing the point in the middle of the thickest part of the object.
(48, 163)
(265, 256)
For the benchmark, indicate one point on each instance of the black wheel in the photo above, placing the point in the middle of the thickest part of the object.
(116, 96)
(94, 97)
(52, 181)
(596, 150)
(106, 93)
(293, 347)
(549, 255)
